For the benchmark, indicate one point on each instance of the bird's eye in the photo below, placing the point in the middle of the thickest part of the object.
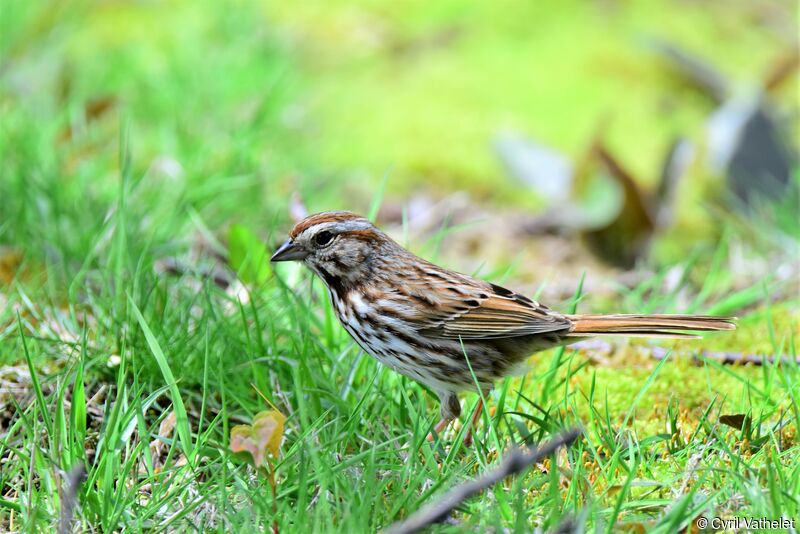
(323, 238)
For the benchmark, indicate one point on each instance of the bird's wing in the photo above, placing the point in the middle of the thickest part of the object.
(499, 316)
(461, 307)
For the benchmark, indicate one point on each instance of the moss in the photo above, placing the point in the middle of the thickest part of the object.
(691, 384)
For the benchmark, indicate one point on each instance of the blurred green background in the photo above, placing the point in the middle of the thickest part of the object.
(138, 132)
(232, 108)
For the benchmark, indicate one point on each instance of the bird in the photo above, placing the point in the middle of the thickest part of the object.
(447, 330)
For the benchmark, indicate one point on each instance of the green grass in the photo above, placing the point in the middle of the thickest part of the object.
(98, 346)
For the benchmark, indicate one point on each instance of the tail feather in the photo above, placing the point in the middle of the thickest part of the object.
(674, 326)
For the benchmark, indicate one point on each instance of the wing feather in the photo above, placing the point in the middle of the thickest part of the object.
(471, 309)
(502, 316)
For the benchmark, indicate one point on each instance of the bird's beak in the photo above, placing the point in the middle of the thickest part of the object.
(289, 251)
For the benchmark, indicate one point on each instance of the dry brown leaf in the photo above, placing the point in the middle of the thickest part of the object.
(10, 261)
(164, 431)
(264, 435)
(626, 238)
(93, 110)
(734, 421)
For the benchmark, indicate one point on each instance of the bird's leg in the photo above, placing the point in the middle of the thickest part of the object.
(473, 423)
(450, 409)
(439, 428)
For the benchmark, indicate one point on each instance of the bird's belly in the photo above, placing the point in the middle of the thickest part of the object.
(392, 355)
(442, 367)
(441, 364)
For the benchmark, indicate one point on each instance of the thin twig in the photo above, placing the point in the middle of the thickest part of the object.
(729, 358)
(175, 267)
(704, 75)
(69, 498)
(514, 462)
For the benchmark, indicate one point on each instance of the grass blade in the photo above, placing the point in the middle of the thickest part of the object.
(182, 419)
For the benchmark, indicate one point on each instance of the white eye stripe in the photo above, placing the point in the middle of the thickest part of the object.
(336, 227)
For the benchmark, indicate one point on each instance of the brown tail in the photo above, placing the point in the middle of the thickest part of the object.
(674, 326)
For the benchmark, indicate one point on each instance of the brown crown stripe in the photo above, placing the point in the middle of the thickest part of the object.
(325, 217)
(369, 235)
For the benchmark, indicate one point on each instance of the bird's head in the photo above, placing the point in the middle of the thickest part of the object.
(340, 246)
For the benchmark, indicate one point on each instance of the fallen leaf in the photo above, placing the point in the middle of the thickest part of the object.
(157, 446)
(627, 237)
(736, 421)
(264, 435)
(10, 261)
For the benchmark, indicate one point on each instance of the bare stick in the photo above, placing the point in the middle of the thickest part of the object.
(514, 462)
(729, 358)
(69, 498)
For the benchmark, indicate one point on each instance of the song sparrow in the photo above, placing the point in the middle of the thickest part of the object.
(441, 327)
